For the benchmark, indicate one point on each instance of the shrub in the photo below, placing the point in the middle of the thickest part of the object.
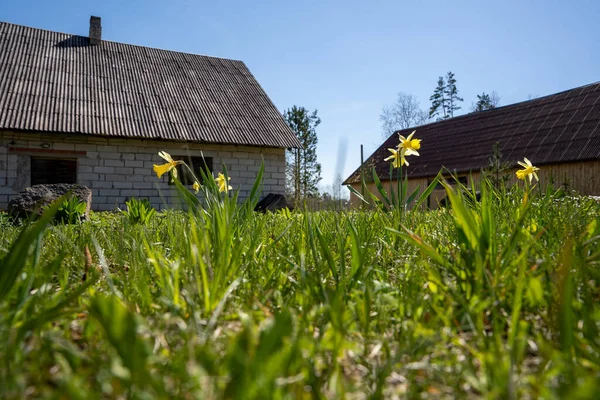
(139, 211)
(70, 211)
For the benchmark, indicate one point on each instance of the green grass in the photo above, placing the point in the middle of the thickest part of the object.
(493, 299)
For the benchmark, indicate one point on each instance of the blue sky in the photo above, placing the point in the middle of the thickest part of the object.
(349, 58)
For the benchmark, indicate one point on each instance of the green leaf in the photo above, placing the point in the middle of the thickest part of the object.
(535, 291)
(381, 189)
(121, 329)
(15, 260)
(428, 190)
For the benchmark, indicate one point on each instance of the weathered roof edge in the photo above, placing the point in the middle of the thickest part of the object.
(26, 131)
(292, 140)
(125, 43)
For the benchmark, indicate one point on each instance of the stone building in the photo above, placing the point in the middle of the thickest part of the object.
(76, 109)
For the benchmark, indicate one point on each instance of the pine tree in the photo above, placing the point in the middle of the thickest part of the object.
(445, 99)
(497, 168)
(486, 102)
(451, 93)
(439, 103)
(303, 171)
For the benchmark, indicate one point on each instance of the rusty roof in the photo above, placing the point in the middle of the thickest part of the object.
(56, 82)
(560, 128)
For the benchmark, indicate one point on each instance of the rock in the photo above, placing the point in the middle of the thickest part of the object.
(272, 202)
(34, 198)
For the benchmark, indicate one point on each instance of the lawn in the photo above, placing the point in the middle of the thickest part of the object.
(496, 298)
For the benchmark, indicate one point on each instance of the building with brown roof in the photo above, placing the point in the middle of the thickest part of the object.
(77, 109)
(559, 133)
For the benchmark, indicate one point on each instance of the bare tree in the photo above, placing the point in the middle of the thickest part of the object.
(403, 114)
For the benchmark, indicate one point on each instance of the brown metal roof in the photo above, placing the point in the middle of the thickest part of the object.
(55, 82)
(563, 127)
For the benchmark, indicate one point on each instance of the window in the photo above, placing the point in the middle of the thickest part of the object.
(195, 163)
(53, 170)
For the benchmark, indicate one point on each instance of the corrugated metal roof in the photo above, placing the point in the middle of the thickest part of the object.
(55, 82)
(563, 127)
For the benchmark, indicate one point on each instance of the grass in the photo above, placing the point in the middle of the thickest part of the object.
(494, 299)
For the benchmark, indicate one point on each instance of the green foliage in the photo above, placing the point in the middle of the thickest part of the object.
(486, 102)
(496, 298)
(497, 169)
(445, 99)
(303, 170)
(396, 198)
(139, 211)
(71, 210)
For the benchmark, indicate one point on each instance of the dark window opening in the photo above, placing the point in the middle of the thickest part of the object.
(53, 170)
(196, 163)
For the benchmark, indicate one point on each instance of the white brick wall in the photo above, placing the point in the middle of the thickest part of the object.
(118, 169)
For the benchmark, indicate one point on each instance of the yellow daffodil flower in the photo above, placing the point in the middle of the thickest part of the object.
(170, 165)
(196, 186)
(222, 184)
(527, 171)
(398, 157)
(410, 145)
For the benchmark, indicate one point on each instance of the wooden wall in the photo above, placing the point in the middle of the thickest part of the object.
(583, 177)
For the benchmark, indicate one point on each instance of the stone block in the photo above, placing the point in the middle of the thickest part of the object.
(6, 190)
(111, 192)
(124, 171)
(142, 185)
(143, 156)
(63, 146)
(122, 185)
(130, 193)
(116, 201)
(134, 163)
(87, 176)
(113, 163)
(153, 178)
(110, 156)
(231, 161)
(127, 149)
(82, 169)
(91, 162)
(135, 178)
(101, 184)
(114, 178)
(146, 172)
(104, 170)
(85, 147)
(104, 207)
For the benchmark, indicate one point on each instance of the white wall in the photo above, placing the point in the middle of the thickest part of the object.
(118, 169)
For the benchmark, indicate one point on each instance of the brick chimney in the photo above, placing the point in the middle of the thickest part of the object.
(95, 30)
